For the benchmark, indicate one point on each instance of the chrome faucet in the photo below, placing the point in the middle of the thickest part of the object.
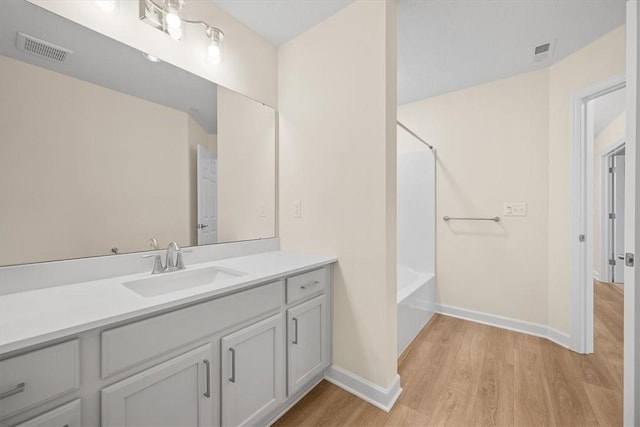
(173, 251)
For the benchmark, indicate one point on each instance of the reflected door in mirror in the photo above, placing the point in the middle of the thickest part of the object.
(207, 197)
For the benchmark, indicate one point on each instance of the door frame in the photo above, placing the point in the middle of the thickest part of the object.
(605, 194)
(632, 223)
(582, 208)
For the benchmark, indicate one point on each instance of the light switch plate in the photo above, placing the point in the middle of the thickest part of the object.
(514, 209)
(297, 209)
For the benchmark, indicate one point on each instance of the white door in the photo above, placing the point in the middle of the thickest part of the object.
(252, 372)
(632, 224)
(308, 344)
(177, 392)
(207, 196)
(618, 217)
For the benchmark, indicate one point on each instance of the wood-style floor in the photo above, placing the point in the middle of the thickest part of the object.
(459, 373)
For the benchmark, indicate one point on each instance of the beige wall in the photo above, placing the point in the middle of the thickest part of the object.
(596, 62)
(246, 150)
(491, 143)
(337, 92)
(613, 133)
(54, 203)
(249, 63)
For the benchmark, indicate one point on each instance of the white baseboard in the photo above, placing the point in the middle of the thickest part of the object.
(596, 275)
(516, 325)
(383, 398)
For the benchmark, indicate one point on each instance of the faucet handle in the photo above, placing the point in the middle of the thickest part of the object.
(179, 262)
(157, 265)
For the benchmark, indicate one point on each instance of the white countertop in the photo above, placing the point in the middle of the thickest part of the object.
(38, 316)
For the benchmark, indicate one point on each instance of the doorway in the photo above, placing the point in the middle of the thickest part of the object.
(612, 206)
(592, 132)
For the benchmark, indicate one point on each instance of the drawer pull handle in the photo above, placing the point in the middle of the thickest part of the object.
(233, 365)
(310, 284)
(295, 331)
(18, 389)
(207, 366)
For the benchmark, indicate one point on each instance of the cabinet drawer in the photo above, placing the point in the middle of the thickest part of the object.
(132, 344)
(32, 378)
(68, 415)
(306, 284)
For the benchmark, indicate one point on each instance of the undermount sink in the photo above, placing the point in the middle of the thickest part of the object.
(165, 283)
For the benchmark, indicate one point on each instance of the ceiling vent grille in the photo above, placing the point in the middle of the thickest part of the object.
(41, 48)
(543, 51)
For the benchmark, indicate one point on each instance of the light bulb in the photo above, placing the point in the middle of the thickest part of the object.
(175, 32)
(213, 53)
(106, 5)
(172, 18)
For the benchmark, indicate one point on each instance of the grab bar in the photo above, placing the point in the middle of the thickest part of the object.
(449, 218)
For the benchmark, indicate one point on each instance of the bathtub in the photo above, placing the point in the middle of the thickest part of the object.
(416, 299)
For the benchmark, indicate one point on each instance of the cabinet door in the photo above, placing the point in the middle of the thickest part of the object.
(64, 416)
(308, 342)
(175, 393)
(252, 372)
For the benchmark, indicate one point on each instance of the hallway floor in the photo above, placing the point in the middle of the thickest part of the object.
(459, 373)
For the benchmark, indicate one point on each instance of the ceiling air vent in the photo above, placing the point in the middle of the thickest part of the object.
(543, 51)
(41, 48)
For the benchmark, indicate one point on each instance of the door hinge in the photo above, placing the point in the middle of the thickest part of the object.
(629, 259)
(612, 262)
(581, 238)
(612, 170)
(612, 216)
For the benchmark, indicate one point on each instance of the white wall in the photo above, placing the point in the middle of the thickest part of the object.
(491, 143)
(416, 208)
(246, 147)
(337, 92)
(249, 64)
(599, 61)
(613, 133)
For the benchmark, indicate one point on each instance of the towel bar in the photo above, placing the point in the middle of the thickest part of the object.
(449, 218)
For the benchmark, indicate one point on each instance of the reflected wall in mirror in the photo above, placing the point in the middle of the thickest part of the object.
(105, 150)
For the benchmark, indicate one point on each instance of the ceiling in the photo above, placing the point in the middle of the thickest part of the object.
(105, 62)
(446, 45)
(279, 21)
(607, 108)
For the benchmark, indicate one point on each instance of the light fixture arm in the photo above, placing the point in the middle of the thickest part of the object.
(208, 28)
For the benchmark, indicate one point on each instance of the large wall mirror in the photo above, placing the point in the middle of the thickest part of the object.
(103, 150)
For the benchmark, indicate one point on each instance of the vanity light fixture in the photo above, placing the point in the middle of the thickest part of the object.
(109, 6)
(165, 16)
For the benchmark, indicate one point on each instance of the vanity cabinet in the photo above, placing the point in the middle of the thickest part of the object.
(237, 359)
(253, 372)
(177, 392)
(308, 344)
